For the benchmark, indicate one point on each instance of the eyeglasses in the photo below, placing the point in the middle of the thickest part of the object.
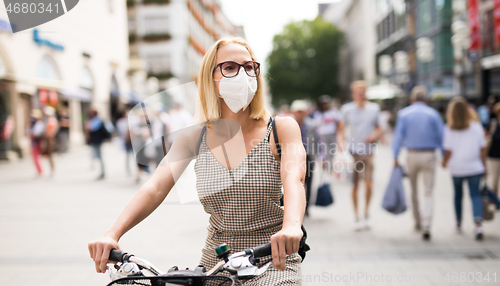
(231, 69)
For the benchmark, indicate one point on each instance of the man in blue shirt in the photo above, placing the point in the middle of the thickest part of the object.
(419, 128)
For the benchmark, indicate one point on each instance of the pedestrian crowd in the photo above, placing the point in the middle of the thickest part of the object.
(333, 136)
(467, 140)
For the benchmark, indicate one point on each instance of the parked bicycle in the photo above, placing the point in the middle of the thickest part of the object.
(132, 270)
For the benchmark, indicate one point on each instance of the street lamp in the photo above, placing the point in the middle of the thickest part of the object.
(385, 65)
(402, 67)
(425, 49)
(425, 52)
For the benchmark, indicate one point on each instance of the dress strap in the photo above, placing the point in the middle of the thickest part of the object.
(272, 126)
(269, 127)
(200, 140)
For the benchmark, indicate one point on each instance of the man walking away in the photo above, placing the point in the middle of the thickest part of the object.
(96, 133)
(420, 128)
(361, 118)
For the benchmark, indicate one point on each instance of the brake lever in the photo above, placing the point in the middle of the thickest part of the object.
(263, 268)
(243, 267)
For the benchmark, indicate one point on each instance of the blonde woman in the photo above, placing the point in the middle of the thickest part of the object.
(464, 144)
(246, 212)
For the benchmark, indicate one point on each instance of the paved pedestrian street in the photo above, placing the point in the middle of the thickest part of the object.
(46, 223)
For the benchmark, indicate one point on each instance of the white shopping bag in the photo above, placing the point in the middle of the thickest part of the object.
(343, 164)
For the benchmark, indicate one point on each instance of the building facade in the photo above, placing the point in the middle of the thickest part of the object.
(355, 19)
(171, 36)
(73, 62)
(490, 48)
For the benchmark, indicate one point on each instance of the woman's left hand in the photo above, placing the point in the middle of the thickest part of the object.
(285, 242)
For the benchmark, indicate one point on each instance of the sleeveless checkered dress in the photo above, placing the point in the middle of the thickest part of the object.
(244, 208)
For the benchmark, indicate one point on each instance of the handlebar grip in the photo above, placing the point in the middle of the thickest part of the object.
(116, 255)
(262, 250)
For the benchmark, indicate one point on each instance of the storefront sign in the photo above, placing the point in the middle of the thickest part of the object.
(475, 37)
(47, 97)
(496, 17)
(43, 42)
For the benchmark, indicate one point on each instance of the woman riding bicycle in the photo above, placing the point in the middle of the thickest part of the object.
(246, 211)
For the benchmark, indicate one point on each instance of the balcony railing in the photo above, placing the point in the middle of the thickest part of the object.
(161, 75)
(156, 37)
(157, 2)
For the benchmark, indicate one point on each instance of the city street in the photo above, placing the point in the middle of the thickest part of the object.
(46, 223)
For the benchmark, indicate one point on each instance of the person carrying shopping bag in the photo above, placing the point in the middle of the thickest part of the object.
(419, 128)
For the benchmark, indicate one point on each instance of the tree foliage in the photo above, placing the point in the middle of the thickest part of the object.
(304, 62)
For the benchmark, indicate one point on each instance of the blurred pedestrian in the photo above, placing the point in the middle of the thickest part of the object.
(493, 161)
(122, 127)
(361, 118)
(51, 128)
(384, 121)
(464, 144)
(144, 149)
(299, 109)
(63, 133)
(96, 132)
(160, 126)
(180, 118)
(36, 131)
(419, 128)
(327, 122)
(485, 112)
(284, 110)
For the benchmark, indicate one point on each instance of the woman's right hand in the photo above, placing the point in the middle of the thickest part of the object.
(99, 251)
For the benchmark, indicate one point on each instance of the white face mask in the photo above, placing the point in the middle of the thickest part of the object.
(238, 91)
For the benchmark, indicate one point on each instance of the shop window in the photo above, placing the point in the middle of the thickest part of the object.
(85, 79)
(47, 69)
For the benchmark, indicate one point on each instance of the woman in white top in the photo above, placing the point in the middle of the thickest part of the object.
(464, 144)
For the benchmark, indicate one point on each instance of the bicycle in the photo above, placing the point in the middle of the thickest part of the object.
(132, 270)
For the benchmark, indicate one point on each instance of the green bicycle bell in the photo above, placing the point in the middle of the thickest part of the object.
(222, 251)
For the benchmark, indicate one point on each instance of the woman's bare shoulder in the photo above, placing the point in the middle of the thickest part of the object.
(287, 125)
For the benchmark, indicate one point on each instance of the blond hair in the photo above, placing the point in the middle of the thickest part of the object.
(209, 106)
(458, 114)
(359, 83)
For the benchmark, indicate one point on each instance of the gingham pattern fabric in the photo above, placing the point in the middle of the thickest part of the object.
(244, 208)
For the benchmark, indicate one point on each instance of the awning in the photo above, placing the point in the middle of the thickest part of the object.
(383, 91)
(77, 93)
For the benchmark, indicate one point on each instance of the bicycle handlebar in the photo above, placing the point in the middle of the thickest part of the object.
(119, 256)
(262, 250)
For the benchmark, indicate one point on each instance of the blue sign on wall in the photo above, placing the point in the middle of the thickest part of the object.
(47, 43)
